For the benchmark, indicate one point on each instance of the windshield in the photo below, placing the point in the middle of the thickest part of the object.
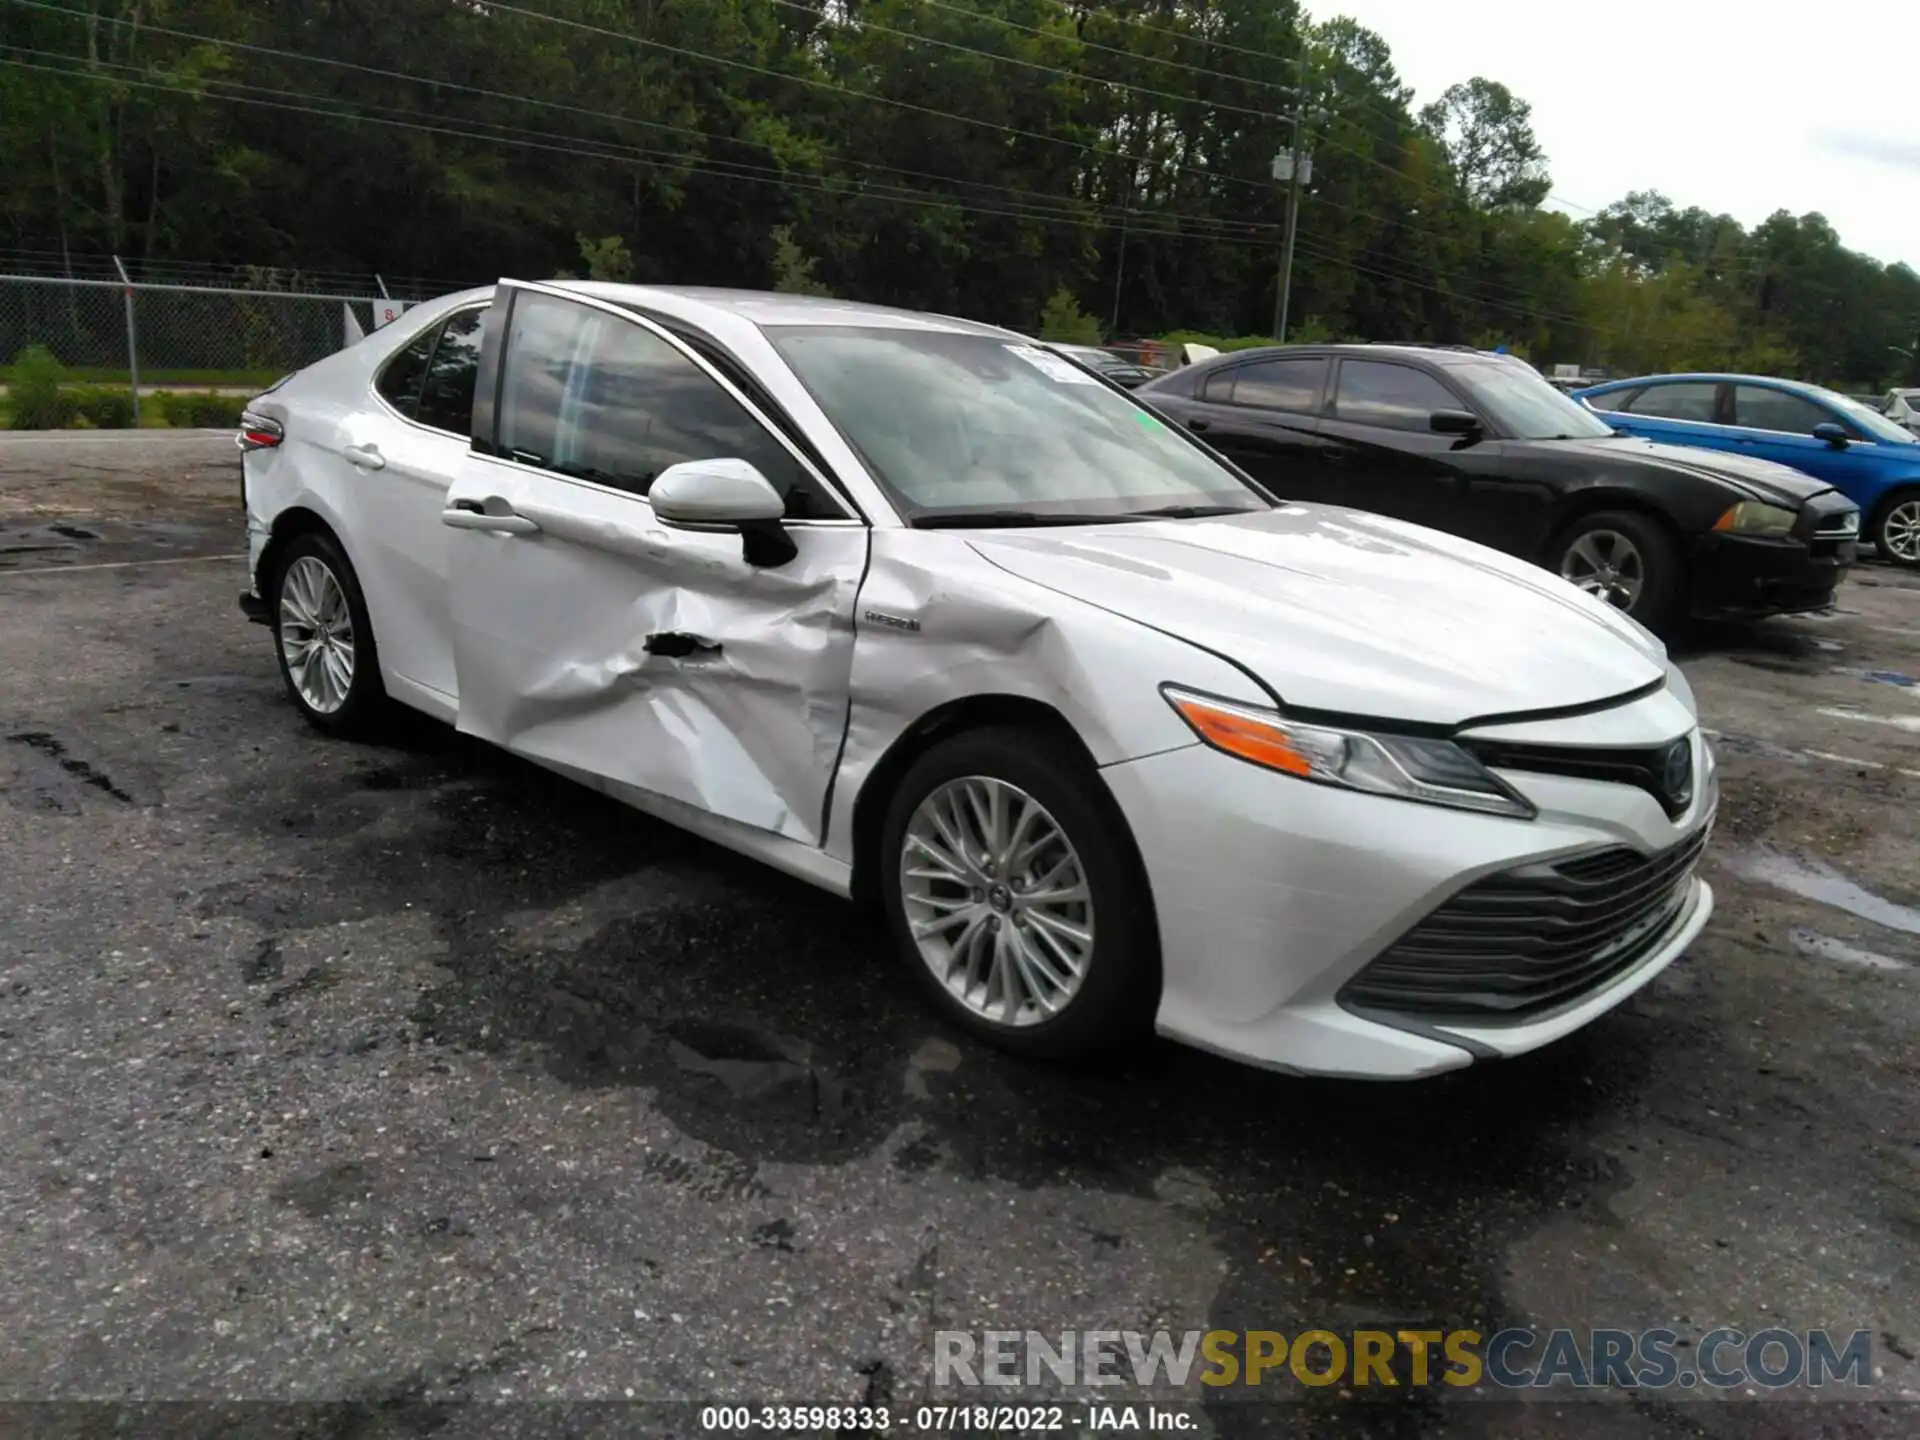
(957, 425)
(1526, 407)
(1877, 426)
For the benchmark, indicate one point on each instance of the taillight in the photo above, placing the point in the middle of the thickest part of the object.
(258, 432)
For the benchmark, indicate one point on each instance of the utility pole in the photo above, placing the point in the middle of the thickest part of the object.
(1120, 260)
(1295, 169)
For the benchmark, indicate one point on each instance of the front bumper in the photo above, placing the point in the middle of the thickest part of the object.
(1743, 577)
(1273, 894)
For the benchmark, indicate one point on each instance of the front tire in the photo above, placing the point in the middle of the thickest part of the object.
(324, 638)
(1015, 896)
(1896, 529)
(1630, 560)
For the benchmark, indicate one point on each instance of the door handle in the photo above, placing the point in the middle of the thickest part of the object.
(501, 518)
(1199, 422)
(367, 457)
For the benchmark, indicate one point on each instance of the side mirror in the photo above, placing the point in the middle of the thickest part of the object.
(1834, 435)
(1454, 422)
(728, 494)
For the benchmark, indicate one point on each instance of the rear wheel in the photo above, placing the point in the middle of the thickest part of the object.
(324, 638)
(1896, 529)
(1015, 896)
(1627, 559)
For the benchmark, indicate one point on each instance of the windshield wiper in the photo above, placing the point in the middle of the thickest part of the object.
(1189, 512)
(992, 519)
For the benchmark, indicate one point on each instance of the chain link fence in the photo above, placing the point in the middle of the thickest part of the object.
(163, 334)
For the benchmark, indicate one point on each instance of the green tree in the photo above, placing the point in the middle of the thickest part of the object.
(1063, 320)
(792, 266)
(1487, 132)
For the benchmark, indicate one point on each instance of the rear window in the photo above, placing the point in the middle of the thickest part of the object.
(1696, 400)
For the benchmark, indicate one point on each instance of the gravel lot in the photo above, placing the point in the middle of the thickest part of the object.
(391, 1076)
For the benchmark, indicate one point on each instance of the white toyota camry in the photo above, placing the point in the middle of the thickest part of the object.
(918, 610)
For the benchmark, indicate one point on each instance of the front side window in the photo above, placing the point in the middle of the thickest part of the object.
(1292, 385)
(974, 428)
(1870, 421)
(1759, 407)
(597, 397)
(1612, 400)
(1396, 397)
(1683, 400)
(399, 382)
(446, 391)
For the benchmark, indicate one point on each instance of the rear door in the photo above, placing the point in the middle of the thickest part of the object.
(405, 451)
(1680, 412)
(590, 634)
(1264, 416)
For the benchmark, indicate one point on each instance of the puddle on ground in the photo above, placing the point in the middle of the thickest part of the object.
(1878, 677)
(1811, 880)
(1828, 948)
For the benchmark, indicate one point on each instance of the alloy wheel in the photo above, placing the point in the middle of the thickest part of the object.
(316, 634)
(1900, 531)
(998, 901)
(1606, 564)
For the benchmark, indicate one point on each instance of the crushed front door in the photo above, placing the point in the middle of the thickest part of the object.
(590, 634)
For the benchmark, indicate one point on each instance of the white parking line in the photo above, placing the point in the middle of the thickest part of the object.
(1899, 722)
(119, 565)
(1845, 759)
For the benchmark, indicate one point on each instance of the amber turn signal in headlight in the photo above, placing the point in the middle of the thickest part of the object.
(1407, 767)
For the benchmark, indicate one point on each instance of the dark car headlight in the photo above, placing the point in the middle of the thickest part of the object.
(1757, 517)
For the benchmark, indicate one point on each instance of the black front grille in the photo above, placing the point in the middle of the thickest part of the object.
(1642, 767)
(1524, 941)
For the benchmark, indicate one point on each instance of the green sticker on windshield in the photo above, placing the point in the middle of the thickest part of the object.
(1151, 422)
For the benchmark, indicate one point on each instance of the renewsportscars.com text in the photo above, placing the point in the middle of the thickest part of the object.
(1509, 1359)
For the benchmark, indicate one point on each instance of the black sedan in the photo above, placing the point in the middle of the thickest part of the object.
(1115, 367)
(1481, 446)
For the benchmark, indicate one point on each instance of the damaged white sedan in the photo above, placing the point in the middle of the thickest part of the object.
(917, 610)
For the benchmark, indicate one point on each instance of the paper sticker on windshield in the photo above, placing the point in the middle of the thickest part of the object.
(1052, 366)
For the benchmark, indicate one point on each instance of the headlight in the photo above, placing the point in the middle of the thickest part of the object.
(1756, 517)
(1408, 767)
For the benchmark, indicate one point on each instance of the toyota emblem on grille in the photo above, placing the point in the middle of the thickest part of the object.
(1676, 776)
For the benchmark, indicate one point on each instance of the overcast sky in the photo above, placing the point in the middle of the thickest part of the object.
(1742, 109)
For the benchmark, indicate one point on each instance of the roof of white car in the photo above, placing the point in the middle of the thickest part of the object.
(770, 308)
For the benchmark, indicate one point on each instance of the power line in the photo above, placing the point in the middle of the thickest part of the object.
(1086, 44)
(1080, 75)
(1031, 198)
(1038, 197)
(836, 88)
(1016, 204)
(1139, 223)
(692, 163)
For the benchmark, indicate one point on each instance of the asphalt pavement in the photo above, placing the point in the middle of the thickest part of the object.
(402, 1076)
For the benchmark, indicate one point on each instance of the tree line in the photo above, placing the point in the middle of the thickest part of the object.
(1107, 162)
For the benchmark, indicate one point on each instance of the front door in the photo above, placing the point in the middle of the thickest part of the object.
(1778, 425)
(590, 634)
(1386, 456)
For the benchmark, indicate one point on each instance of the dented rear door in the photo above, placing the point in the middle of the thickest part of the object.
(589, 634)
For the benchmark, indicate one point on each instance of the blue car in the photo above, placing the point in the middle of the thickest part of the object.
(1868, 458)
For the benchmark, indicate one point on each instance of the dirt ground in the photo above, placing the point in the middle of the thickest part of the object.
(403, 1076)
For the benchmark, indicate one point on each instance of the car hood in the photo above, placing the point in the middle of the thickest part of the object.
(1754, 478)
(1351, 613)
